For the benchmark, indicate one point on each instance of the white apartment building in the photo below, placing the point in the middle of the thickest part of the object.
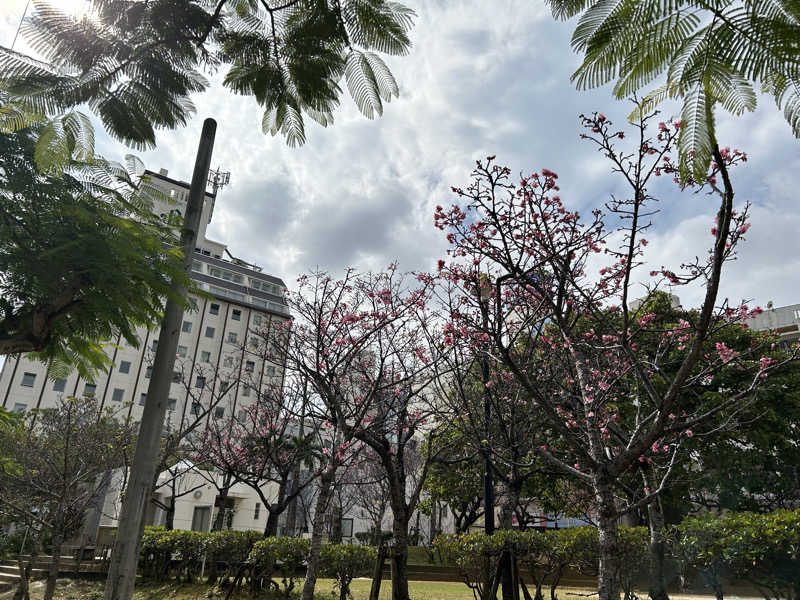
(213, 344)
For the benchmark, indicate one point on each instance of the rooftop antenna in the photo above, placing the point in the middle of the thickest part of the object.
(218, 179)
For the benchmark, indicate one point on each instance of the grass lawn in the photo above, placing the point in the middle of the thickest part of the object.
(76, 589)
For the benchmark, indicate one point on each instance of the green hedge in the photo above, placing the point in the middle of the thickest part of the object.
(763, 549)
(343, 562)
(544, 556)
(267, 564)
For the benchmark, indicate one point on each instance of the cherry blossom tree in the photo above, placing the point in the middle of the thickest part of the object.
(362, 344)
(259, 446)
(558, 288)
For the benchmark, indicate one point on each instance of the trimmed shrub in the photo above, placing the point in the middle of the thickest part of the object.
(275, 557)
(343, 562)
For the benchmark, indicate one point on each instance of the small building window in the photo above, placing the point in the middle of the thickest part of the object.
(228, 362)
(200, 382)
(177, 376)
(155, 345)
(142, 399)
(20, 408)
(257, 320)
(246, 391)
(148, 372)
(59, 385)
(271, 371)
(28, 379)
(249, 366)
(89, 389)
(214, 308)
(195, 408)
(257, 511)
(219, 412)
(209, 332)
(125, 366)
(117, 395)
(232, 337)
(236, 315)
(186, 327)
(171, 404)
(182, 351)
(253, 344)
(205, 356)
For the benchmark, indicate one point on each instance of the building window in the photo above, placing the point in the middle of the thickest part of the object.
(271, 371)
(197, 266)
(232, 337)
(155, 345)
(142, 399)
(236, 315)
(148, 372)
(59, 385)
(117, 395)
(20, 408)
(209, 332)
(182, 351)
(124, 367)
(249, 366)
(797, 314)
(253, 343)
(347, 528)
(257, 511)
(200, 382)
(89, 389)
(228, 362)
(214, 310)
(195, 408)
(246, 391)
(28, 379)
(177, 376)
(257, 320)
(219, 412)
(205, 356)
(186, 327)
(171, 404)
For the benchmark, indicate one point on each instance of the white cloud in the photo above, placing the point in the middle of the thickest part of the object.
(483, 78)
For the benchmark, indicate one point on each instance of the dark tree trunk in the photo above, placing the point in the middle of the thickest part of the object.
(400, 553)
(506, 567)
(432, 526)
(317, 531)
(55, 564)
(608, 582)
(271, 529)
(658, 578)
(219, 519)
(169, 517)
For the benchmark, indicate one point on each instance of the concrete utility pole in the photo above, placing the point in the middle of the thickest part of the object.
(122, 570)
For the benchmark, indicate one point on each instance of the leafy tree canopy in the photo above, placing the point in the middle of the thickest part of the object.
(136, 64)
(82, 258)
(708, 51)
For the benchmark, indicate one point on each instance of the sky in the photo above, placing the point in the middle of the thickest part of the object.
(483, 78)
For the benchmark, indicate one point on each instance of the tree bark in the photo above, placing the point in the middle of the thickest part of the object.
(317, 530)
(658, 579)
(219, 520)
(122, 570)
(400, 553)
(55, 564)
(608, 582)
(271, 528)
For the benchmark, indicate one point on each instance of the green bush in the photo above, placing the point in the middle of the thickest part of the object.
(343, 562)
(763, 549)
(545, 555)
(230, 550)
(274, 557)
